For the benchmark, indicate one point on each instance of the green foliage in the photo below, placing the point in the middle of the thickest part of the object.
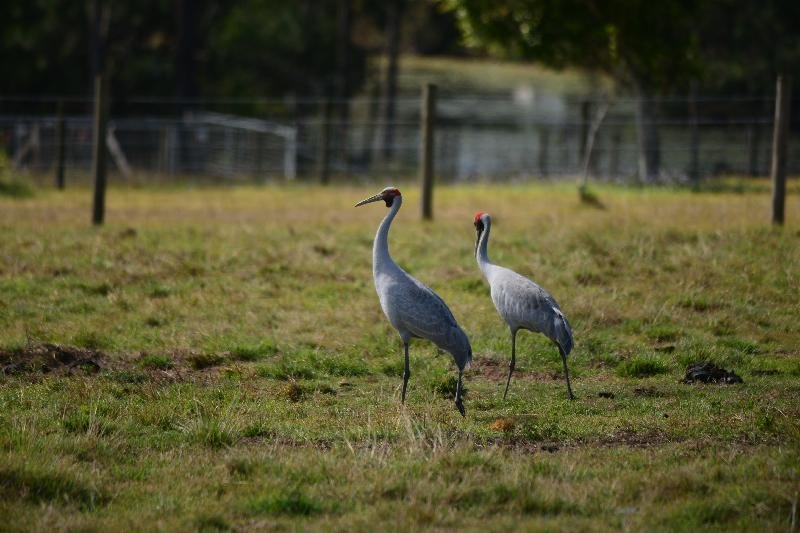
(94, 340)
(10, 186)
(648, 46)
(611, 37)
(200, 361)
(292, 503)
(15, 189)
(446, 387)
(41, 486)
(254, 352)
(156, 362)
(641, 366)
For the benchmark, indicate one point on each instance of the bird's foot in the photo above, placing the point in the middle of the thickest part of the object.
(460, 407)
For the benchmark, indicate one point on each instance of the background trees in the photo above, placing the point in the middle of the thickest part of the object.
(651, 49)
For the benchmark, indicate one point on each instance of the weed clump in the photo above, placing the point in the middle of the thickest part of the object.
(156, 362)
(292, 392)
(200, 361)
(293, 503)
(254, 352)
(212, 523)
(641, 366)
(50, 487)
(446, 387)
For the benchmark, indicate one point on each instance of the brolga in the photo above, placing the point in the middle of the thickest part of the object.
(412, 308)
(521, 303)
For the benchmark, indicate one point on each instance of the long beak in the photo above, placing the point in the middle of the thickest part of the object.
(371, 199)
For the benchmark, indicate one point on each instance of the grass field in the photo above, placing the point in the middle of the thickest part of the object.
(231, 368)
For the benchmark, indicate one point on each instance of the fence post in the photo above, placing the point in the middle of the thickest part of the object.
(586, 118)
(60, 141)
(99, 149)
(783, 96)
(694, 139)
(544, 150)
(324, 142)
(428, 124)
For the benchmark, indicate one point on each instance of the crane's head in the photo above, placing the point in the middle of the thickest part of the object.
(481, 221)
(387, 195)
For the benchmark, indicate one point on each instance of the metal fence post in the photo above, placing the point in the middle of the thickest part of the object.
(428, 124)
(783, 97)
(99, 149)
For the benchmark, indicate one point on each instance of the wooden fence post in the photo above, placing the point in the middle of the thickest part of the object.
(783, 96)
(60, 148)
(99, 149)
(694, 138)
(427, 134)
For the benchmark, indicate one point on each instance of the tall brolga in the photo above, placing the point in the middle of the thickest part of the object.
(413, 309)
(522, 303)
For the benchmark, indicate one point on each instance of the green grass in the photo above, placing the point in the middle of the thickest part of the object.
(642, 366)
(249, 379)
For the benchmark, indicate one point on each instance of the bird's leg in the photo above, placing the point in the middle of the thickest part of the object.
(406, 374)
(513, 360)
(566, 373)
(459, 401)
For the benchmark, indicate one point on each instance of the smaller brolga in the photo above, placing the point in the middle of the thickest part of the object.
(522, 303)
(413, 309)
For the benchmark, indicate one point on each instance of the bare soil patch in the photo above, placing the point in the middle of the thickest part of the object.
(497, 370)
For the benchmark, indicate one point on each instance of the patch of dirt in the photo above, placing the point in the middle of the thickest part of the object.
(647, 392)
(63, 360)
(710, 373)
(52, 359)
(497, 370)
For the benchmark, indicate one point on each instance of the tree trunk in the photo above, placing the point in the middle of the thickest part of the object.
(186, 86)
(393, 22)
(343, 48)
(648, 139)
(185, 50)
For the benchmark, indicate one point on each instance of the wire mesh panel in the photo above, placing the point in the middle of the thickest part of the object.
(520, 135)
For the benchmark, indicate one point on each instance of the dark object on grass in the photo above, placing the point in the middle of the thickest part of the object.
(606, 394)
(710, 373)
(47, 357)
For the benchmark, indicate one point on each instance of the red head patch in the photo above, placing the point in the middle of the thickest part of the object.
(478, 215)
(395, 191)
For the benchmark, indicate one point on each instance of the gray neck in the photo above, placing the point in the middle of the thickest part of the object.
(380, 248)
(481, 253)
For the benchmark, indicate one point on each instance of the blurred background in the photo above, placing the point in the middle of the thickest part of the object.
(327, 90)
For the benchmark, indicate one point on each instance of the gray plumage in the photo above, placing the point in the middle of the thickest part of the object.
(412, 308)
(521, 303)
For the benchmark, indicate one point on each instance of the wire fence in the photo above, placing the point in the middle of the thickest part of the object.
(521, 135)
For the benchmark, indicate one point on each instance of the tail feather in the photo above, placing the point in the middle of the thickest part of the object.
(563, 332)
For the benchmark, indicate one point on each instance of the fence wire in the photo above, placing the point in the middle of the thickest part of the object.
(518, 136)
